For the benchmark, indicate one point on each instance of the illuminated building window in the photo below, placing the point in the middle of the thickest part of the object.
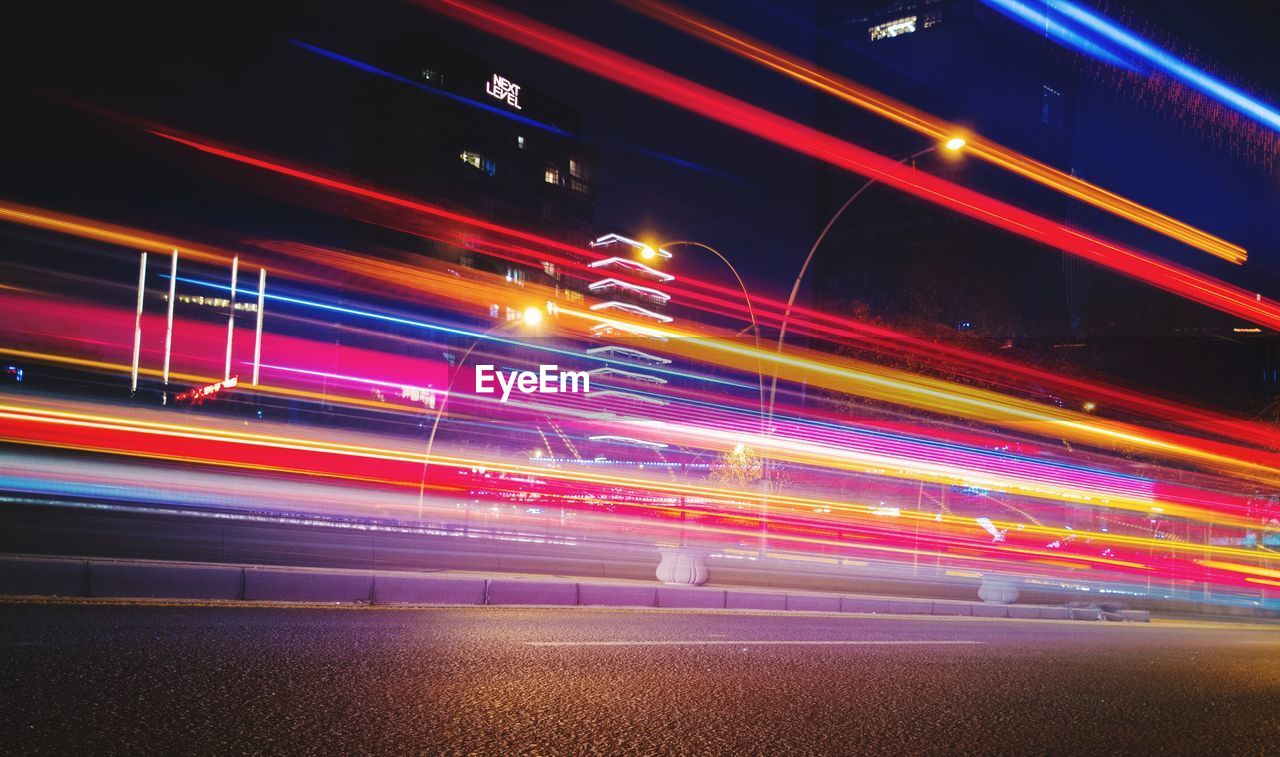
(572, 295)
(549, 268)
(478, 161)
(931, 20)
(515, 276)
(580, 176)
(894, 28)
(520, 142)
(552, 175)
(435, 77)
(513, 314)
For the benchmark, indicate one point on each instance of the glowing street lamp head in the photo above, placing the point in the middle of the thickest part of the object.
(648, 253)
(954, 144)
(532, 316)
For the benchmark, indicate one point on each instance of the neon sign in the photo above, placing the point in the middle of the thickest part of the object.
(502, 88)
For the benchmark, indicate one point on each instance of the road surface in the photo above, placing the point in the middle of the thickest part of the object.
(222, 680)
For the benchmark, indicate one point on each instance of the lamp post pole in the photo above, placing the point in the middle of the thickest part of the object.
(954, 144)
(532, 317)
(755, 330)
(751, 312)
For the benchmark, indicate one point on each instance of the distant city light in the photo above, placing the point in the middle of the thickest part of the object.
(894, 28)
(532, 316)
(955, 143)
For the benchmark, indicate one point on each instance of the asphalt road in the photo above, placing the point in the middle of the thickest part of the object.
(83, 679)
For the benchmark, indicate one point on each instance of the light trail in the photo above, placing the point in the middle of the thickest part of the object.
(934, 128)
(840, 330)
(893, 456)
(922, 392)
(753, 120)
(981, 416)
(1077, 27)
(342, 460)
(929, 400)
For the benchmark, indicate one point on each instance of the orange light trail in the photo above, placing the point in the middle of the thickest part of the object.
(360, 463)
(934, 128)
(418, 278)
(935, 395)
(849, 377)
(806, 140)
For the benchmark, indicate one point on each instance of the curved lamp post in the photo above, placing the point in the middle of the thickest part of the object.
(746, 296)
(954, 144)
(679, 566)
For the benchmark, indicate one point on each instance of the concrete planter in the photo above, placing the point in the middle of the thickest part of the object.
(683, 567)
(998, 591)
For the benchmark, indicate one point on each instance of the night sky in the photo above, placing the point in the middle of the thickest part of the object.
(227, 71)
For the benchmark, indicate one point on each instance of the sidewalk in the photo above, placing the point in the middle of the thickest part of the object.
(138, 579)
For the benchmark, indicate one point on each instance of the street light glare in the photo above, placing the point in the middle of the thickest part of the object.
(647, 252)
(532, 316)
(955, 143)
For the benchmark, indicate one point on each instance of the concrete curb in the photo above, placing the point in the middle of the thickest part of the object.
(38, 576)
(281, 585)
(428, 590)
(519, 591)
(53, 578)
(113, 579)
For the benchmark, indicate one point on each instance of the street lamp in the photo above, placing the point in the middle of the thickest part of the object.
(746, 296)
(755, 329)
(955, 144)
(650, 252)
(531, 317)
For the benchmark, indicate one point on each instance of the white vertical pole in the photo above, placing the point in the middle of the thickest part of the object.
(231, 316)
(137, 324)
(168, 324)
(257, 336)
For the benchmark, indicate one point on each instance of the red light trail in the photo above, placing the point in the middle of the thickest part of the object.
(762, 123)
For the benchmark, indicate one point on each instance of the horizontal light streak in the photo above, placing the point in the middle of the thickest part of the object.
(936, 128)
(926, 393)
(762, 123)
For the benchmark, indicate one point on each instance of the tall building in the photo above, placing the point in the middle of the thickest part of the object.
(448, 124)
(899, 258)
(441, 124)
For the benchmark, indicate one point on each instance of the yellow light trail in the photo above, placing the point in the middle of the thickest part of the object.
(789, 533)
(936, 128)
(869, 380)
(862, 379)
(1251, 570)
(825, 456)
(925, 393)
(780, 504)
